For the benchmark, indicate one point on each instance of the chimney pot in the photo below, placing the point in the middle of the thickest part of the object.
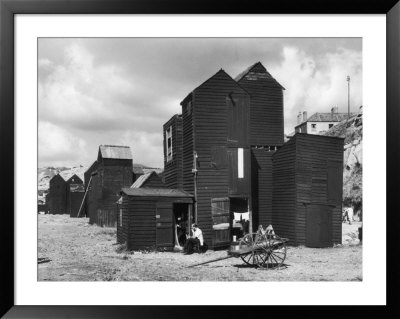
(299, 118)
(304, 116)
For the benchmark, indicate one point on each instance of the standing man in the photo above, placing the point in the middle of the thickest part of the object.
(350, 214)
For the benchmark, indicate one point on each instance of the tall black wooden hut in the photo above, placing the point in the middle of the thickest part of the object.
(147, 216)
(216, 155)
(265, 135)
(230, 130)
(57, 195)
(74, 196)
(307, 190)
(114, 171)
(173, 146)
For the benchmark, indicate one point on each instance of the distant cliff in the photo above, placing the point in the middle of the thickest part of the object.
(352, 131)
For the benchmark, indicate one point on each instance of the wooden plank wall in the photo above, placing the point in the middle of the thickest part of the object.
(139, 223)
(173, 169)
(266, 107)
(284, 191)
(210, 125)
(262, 186)
(87, 175)
(154, 181)
(313, 155)
(188, 145)
(75, 201)
(58, 193)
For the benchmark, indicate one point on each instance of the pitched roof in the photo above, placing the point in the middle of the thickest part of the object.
(156, 192)
(221, 74)
(142, 179)
(328, 117)
(257, 68)
(115, 152)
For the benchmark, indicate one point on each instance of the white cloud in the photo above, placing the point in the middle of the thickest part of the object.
(315, 84)
(58, 146)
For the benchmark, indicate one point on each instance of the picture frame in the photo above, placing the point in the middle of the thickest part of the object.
(8, 10)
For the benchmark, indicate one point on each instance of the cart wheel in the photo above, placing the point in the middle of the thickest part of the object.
(272, 255)
(247, 241)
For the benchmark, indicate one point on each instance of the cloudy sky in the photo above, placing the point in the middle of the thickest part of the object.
(121, 91)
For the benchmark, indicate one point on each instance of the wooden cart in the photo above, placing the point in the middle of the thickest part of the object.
(262, 249)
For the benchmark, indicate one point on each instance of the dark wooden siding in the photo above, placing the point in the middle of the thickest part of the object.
(113, 174)
(307, 161)
(173, 169)
(284, 191)
(58, 194)
(266, 107)
(262, 186)
(210, 124)
(154, 181)
(316, 156)
(75, 201)
(188, 145)
(142, 217)
(87, 175)
(73, 181)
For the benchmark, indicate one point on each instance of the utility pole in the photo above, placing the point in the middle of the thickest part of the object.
(348, 97)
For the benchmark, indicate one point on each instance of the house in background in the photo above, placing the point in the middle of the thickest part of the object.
(319, 122)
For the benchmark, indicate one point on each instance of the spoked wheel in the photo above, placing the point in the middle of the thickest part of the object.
(272, 255)
(247, 242)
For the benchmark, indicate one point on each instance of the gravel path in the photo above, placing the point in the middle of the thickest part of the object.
(78, 251)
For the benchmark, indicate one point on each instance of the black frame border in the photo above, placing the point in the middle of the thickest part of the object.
(8, 8)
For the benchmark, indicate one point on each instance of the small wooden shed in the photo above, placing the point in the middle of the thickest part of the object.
(307, 190)
(58, 195)
(147, 217)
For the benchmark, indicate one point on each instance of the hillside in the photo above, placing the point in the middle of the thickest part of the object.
(45, 174)
(352, 131)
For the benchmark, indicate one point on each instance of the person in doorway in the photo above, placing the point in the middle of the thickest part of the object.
(195, 239)
(350, 214)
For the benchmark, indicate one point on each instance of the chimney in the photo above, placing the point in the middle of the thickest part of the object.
(304, 116)
(299, 118)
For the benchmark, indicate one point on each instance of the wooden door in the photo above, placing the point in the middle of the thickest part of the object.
(221, 220)
(319, 226)
(164, 224)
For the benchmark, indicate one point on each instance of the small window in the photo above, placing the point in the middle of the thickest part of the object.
(313, 127)
(168, 143)
(330, 125)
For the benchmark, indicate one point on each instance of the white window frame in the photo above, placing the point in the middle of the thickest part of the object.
(168, 150)
(240, 163)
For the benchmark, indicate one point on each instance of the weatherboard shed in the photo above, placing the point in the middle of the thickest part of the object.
(147, 217)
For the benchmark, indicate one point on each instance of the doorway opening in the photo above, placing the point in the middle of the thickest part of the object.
(239, 211)
(181, 222)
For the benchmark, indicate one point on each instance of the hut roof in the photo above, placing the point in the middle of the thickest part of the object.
(115, 152)
(328, 117)
(142, 179)
(257, 67)
(155, 192)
